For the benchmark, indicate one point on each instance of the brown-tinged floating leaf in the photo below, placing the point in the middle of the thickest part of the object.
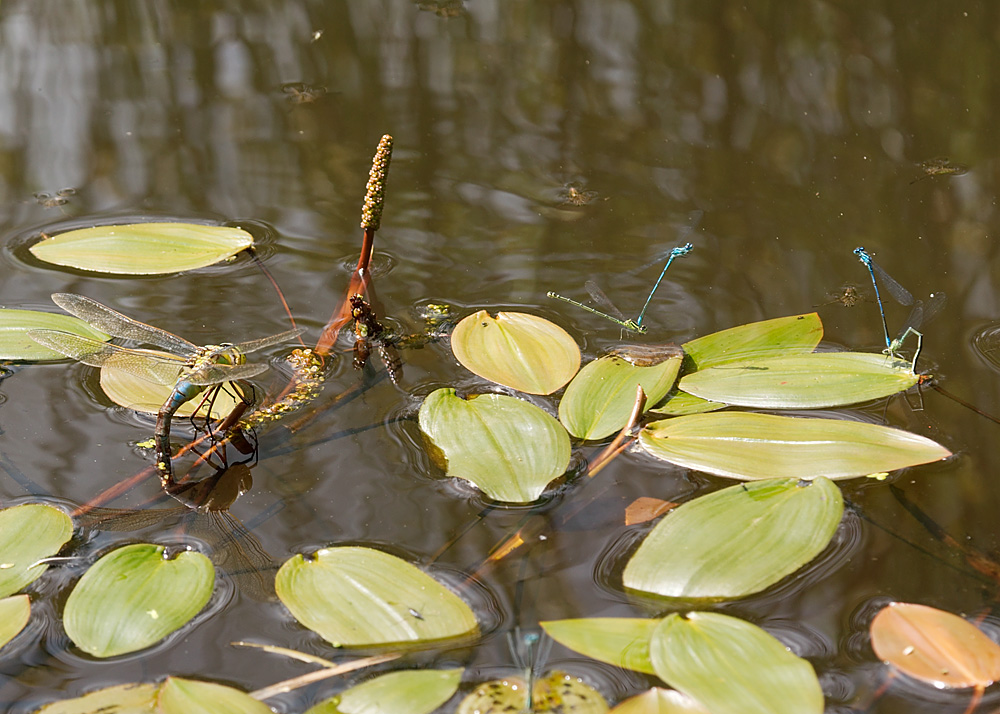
(935, 646)
(645, 509)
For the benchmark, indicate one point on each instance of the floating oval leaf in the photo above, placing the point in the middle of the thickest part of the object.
(558, 693)
(679, 403)
(782, 335)
(809, 381)
(935, 646)
(16, 324)
(29, 533)
(505, 446)
(143, 248)
(356, 597)
(135, 596)
(525, 352)
(748, 446)
(189, 696)
(733, 667)
(136, 698)
(599, 400)
(142, 395)
(619, 641)
(660, 701)
(736, 541)
(14, 613)
(415, 691)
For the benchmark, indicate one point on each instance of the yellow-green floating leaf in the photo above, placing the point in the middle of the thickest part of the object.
(599, 400)
(143, 248)
(505, 446)
(619, 641)
(525, 352)
(414, 691)
(935, 646)
(750, 446)
(357, 597)
(14, 613)
(29, 533)
(736, 541)
(678, 403)
(135, 698)
(660, 701)
(733, 667)
(134, 392)
(134, 596)
(189, 696)
(807, 381)
(796, 333)
(16, 324)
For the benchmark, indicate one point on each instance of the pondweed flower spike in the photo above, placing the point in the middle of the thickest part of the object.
(371, 213)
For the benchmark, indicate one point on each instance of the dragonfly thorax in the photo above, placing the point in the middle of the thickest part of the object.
(226, 353)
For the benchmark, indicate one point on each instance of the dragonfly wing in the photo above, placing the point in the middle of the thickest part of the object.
(603, 300)
(158, 367)
(261, 343)
(898, 292)
(119, 325)
(215, 373)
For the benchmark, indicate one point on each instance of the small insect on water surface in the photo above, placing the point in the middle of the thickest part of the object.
(300, 93)
(53, 200)
(940, 166)
(575, 195)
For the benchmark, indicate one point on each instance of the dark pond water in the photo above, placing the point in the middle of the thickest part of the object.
(799, 129)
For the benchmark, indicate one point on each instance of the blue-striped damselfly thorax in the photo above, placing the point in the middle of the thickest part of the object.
(614, 314)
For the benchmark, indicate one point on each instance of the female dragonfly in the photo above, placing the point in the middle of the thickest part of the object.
(188, 368)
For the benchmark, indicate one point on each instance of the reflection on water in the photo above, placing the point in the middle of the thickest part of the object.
(796, 130)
